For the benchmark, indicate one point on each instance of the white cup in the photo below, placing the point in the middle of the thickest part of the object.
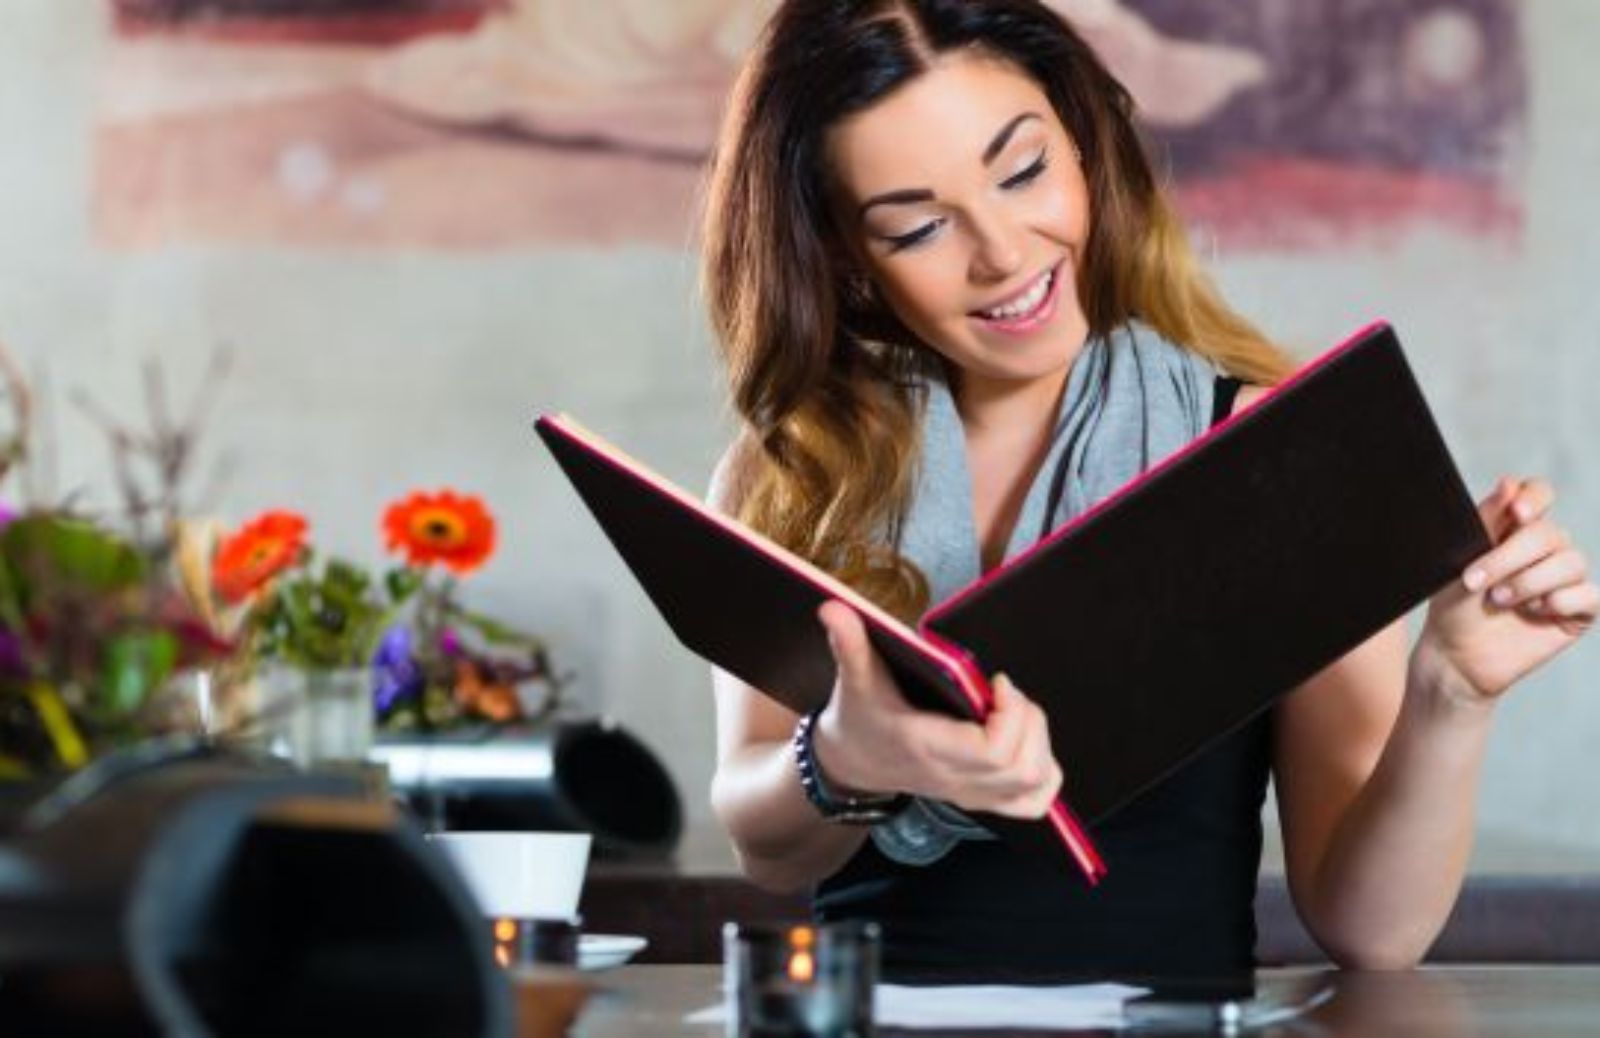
(520, 875)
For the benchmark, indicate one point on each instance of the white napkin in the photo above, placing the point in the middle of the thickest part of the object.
(951, 1007)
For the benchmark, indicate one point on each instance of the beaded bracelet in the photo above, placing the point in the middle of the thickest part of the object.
(848, 810)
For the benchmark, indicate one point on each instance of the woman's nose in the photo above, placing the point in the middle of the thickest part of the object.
(997, 251)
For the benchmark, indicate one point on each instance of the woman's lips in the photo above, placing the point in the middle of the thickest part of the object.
(1033, 319)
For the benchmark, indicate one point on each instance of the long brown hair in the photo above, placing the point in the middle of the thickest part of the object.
(820, 373)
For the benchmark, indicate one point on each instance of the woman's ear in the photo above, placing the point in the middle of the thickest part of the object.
(850, 263)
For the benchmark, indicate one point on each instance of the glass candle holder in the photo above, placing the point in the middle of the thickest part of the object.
(802, 979)
(535, 942)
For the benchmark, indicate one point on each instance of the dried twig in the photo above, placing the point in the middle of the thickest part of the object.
(15, 448)
(152, 467)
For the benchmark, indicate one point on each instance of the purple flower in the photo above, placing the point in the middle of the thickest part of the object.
(395, 674)
(12, 663)
(6, 516)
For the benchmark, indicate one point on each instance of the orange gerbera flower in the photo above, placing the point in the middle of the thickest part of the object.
(263, 548)
(448, 528)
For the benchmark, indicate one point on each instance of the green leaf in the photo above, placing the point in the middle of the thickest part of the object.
(345, 578)
(327, 618)
(74, 551)
(136, 663)
(402, 582)
(13, 607)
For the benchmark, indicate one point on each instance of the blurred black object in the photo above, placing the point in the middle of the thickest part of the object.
(190, 891)
(572, 775)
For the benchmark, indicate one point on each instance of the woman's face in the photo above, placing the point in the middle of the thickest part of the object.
(962, 196)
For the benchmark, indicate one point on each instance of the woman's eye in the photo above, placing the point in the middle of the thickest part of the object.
(905, 241)
(1035, 167)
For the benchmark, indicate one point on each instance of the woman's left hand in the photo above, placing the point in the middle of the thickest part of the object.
(1518, 605)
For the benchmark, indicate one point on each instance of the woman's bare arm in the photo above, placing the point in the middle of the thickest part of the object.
(1378, 759)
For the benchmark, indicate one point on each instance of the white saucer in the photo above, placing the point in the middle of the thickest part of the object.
(602, 951)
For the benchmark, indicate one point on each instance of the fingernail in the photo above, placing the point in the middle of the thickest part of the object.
(1474, 579)
(1501, 595)
(1524, 510)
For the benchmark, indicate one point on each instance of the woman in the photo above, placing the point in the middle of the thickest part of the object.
(956, 310)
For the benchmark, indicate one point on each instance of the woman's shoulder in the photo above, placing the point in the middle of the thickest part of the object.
(1248, 394)
(1153, 347)
(733, 474)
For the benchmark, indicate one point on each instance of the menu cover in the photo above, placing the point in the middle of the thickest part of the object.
(1149, 627)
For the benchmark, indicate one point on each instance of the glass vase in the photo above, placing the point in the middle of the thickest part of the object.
(327, 715)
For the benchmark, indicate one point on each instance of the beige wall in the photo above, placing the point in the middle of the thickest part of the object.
(361, 374)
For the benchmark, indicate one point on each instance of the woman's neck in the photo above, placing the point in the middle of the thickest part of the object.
(991, 407)
(1008, 408)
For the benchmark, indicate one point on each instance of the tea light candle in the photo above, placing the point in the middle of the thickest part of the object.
(546, 942)
(800, 979)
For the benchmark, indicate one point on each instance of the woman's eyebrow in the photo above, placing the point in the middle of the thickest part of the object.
(910, 195)
(998, 145)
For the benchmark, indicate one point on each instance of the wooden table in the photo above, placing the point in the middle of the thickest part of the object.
(1481, 1001)
(1523, 902)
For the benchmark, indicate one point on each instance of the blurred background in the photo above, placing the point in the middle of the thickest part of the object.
(414, 224)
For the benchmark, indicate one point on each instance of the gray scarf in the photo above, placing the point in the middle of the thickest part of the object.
(1131, 399)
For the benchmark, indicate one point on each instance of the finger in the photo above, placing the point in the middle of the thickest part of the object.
(1579, 602)
(1005, 729)
(1026, 808)
(1492, 509)
(1051, 768)
(1040, 756)
(944, 742)
(1036, 801)
(859, 666)
(1546, 575)
(1521, 549)
(1533, 501)
(980, 752)
(1031, 768)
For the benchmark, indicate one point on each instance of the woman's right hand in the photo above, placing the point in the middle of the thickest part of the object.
(870, 740)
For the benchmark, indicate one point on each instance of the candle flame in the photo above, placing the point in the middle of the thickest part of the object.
(502, 955)
(505, 930)
(802, 967)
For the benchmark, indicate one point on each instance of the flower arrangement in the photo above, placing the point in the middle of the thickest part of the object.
(88, 631)
(100, 613)
(435, 663)
(302, 611)
(92, 622)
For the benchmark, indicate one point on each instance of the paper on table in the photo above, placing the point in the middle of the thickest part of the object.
(950, 1007)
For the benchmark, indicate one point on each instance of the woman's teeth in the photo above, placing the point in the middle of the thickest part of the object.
(1023, 305)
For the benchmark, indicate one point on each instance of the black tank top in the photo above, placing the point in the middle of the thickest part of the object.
(1178, 900)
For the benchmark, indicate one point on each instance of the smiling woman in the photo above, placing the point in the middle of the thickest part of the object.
(957, 311)
(980, 258)
(945, 171)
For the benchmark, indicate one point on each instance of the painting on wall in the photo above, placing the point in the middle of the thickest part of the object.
(485, 124)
